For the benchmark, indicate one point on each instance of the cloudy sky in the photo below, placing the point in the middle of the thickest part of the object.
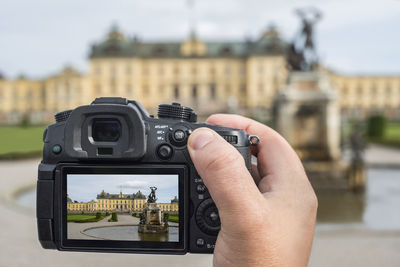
(86, 187)
(38, 38)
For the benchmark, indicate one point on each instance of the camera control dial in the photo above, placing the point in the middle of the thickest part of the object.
(176, 111)
(207, 217)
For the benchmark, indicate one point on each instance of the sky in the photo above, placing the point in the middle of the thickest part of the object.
(84, 188)
(38, 38)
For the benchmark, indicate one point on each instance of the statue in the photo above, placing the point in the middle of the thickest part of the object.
(165, 219)
(151, 218)
(357, 144)
(302, 55)
(142, 219)
(152, 196)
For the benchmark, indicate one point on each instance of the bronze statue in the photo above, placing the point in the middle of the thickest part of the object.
(357, 144)
(302, 55)
(152, 196)
(142, 219)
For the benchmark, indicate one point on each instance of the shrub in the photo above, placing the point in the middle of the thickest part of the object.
(25, 121)
(107, 214)
(376, 126)
(114, 217)
(98, 215)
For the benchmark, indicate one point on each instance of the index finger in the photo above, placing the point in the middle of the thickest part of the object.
(275, 157)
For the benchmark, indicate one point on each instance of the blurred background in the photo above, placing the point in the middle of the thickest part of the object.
(326, 75)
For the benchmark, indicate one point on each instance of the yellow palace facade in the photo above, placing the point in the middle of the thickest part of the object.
(106, 202)
(211, 76)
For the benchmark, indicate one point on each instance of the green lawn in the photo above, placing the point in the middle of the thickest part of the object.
(173, 218)
(18, 142)
(391, 137)
(82, 218)
(79, 217)
(393, 131)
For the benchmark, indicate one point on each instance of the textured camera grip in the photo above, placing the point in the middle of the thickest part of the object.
(246, 154)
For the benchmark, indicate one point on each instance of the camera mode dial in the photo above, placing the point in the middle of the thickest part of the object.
(176, 111)
(207, 217)
(63, 115)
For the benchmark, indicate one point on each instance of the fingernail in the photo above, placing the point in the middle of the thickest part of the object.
(199, 138)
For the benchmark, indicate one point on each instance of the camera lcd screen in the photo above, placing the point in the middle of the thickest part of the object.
(123, 207)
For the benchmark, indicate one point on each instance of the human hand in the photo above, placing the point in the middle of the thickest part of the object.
(267, 218)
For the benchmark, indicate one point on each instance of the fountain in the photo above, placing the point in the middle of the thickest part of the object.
(150, 219)
(306, 113)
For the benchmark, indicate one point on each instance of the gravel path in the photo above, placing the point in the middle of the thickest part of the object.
(20, 247)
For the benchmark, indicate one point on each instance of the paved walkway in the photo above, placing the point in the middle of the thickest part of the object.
(19, 245)
(379, 156)
(75, 229)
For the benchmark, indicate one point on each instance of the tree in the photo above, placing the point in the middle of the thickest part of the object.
(376, 125)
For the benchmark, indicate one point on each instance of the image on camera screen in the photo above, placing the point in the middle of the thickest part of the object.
(130, 207)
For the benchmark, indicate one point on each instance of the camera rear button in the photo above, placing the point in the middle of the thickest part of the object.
(200, 242)
(164, 151)
(179, 135)
(201, 188)
(56, 149)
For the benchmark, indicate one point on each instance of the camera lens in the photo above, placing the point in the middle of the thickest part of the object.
(106, 130)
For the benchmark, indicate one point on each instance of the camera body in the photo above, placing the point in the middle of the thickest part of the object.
(115, 179)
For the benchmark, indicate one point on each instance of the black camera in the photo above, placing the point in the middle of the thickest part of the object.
(115, 179)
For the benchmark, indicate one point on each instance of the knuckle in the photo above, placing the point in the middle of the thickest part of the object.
(220, 161)
(313, 202)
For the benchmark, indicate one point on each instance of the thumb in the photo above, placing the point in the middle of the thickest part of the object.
(223, 171)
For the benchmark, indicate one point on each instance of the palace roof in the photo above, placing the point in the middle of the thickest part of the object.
(116, 45)
(105, 195)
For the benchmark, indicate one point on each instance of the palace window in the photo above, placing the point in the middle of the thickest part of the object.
(242, 70)
(388, 90)
(176, 70)
(359, 90)
(161, 71)
(374, 91)
(129, 89)
(97, 70)
(113, 71)
(260, 88)
(260, 68)
(213, 92)
(227, 69)
(212, 71)
(194, 70)
(113, 86)
(145, 90)
(161, 90)
(345, 90)
(176, 91)
(128, 70)
(243, 90)
(145, 70)
(228, 89)
(194, 91)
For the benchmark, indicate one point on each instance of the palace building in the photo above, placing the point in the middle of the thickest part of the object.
(210, 76)
(106, 202)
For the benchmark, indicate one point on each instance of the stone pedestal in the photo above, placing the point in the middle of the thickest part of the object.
(307, 115)
(152, 223)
